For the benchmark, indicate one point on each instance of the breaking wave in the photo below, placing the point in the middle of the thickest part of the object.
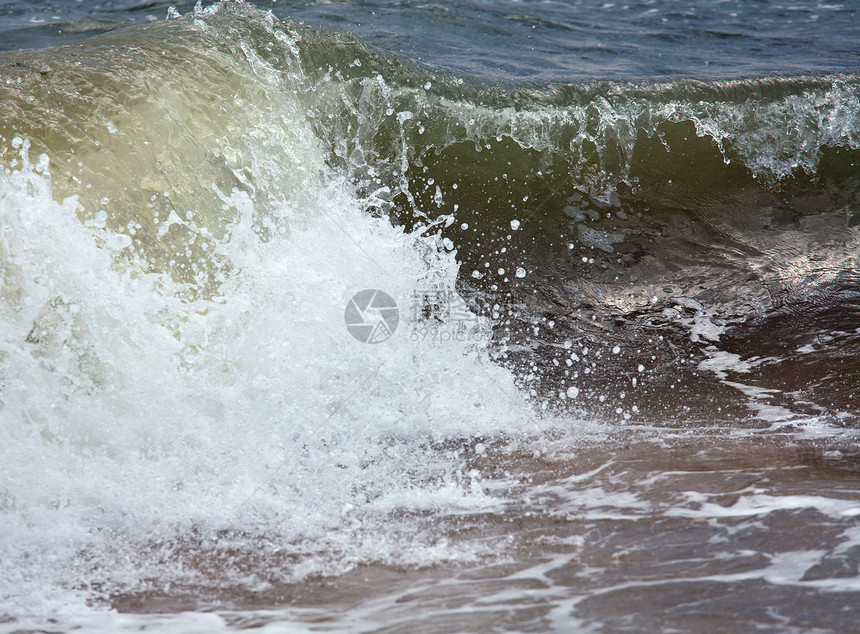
(187, 208)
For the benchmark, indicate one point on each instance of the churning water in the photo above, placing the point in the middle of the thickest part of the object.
(547, 332)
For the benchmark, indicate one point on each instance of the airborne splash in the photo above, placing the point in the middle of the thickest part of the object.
(187, 419)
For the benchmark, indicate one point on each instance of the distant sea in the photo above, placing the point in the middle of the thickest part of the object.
(424, 316)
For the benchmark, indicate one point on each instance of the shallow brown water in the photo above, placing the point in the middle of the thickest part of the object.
(644, 416)
(736, 532)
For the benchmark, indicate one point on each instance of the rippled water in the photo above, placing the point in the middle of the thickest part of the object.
(530, 40)
(619, 388)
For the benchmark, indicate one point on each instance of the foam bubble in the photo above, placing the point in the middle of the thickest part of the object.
(179, 379)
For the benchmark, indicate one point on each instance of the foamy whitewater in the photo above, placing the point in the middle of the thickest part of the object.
(650, 421)
(229, 406)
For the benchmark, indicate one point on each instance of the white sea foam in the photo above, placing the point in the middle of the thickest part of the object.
(760, 504)
(178, 390)
(136, 416)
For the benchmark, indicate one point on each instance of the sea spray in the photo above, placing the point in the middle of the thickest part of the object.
(184, 410)
(178, 385)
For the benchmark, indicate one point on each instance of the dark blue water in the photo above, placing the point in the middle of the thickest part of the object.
(644, 216)
(527, 39)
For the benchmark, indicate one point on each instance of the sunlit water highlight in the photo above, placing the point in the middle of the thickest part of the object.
(621, 395)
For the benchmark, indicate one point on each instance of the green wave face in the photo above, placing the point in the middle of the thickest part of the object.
(739, 196)
(200, 217)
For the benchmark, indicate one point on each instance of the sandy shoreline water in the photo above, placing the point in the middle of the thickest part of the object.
(689, 533)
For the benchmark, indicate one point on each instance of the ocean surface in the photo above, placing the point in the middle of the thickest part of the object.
(414, 316)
